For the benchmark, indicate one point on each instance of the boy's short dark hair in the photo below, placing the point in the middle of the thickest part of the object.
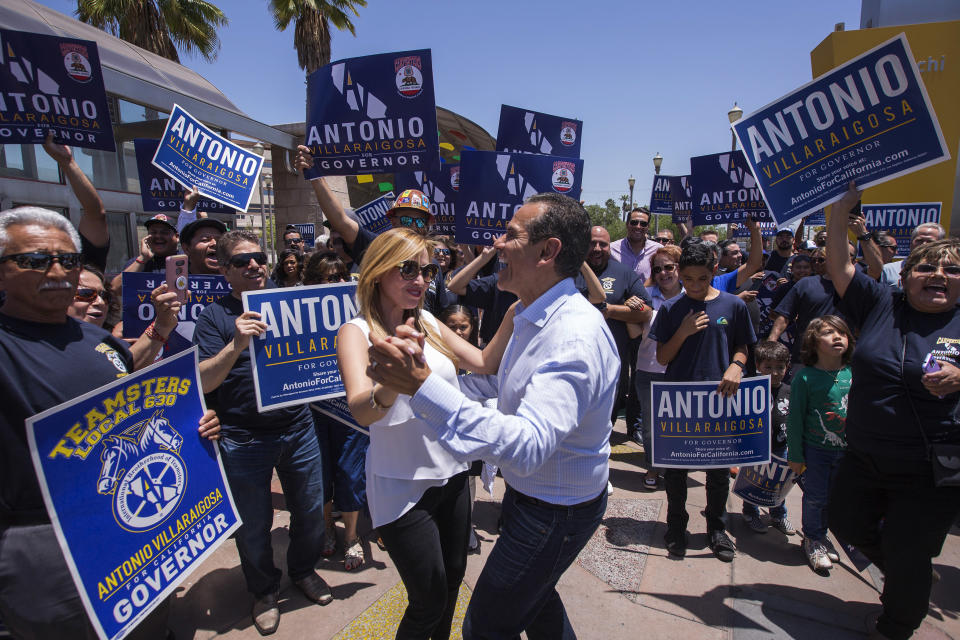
(770, 350)
(698, 254)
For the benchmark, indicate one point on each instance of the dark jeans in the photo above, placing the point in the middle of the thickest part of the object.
(718, 488)
(516, 590)
(249, 462)
(428, 545)
(818, 478)
(344, 453)
(916, 517)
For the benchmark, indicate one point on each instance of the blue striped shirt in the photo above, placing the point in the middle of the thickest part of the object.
(550, 432)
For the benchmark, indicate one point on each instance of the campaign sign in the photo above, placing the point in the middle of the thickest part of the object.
(192, 154)
(765, 293)
(160, 192)
(660, 200)
(681, 194)
(49, 83)
(138, 311)
(767, 229)
(525, 131)
(295, 359)
(307, 231)
(899, 220)
(694, 427)
(372, 114)
(868, 120)
(338, 409)
(137, 498)
(493, 185)
(816, 219)
(724, 190)
(765, 485)
(441, 188)
(373, 215)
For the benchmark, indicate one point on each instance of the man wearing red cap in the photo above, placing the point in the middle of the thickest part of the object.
(411, 209)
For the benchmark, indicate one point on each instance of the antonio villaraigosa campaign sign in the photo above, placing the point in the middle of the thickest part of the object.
(49, 83)
(525, 131)
(493, 185)
(899, 220)
(660, 200)
(724, 190)
(295, 360)
(373, 215)
(681, 193)
(373, 114)
(192, 154)
(137, 498)
(441, 187)
(697, 428)
(868, 120)
(160, 192)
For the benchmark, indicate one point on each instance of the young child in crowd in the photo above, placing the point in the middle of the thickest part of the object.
(702, 335)
(816, 428)
(772, 360)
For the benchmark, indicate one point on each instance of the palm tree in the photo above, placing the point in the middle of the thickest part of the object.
(311, 34)
(159, 26)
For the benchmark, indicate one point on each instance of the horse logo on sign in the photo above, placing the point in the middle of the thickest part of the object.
(141, 467)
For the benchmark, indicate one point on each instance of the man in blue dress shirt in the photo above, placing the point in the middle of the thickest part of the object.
(550, 431)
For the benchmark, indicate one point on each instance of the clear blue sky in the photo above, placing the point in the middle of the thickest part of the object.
(645, 77)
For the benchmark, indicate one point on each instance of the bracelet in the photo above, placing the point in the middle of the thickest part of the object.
(373, 400)
(742, 366)
(138, 260)
(152, 333)
(865, 237)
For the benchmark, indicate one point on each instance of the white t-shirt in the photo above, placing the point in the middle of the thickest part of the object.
(404, 458)
(647, 351)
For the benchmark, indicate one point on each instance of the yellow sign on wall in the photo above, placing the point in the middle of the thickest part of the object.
(936, 47)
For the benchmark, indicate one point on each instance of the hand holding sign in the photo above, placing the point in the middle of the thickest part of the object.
(60, 153)
(248, 326)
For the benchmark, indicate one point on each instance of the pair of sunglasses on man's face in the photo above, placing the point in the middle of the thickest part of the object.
(413, 221)
(41, 260)
(638, 222)
(89, 294)
(241, 260)
(410, 269)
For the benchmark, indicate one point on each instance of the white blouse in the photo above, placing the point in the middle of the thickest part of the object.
(404, 458)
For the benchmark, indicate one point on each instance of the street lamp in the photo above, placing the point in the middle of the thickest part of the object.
(657, 161)
(631, 181)
(733, 115)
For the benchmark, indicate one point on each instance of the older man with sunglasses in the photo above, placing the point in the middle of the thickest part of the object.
(254, 443)
(411, 209)
(46, 358)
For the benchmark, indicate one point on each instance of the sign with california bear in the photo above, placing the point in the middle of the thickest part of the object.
(137, 498)
(526, 131)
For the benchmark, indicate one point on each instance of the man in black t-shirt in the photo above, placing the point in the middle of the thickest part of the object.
(46, 358)
(782, 251)
(254, 444)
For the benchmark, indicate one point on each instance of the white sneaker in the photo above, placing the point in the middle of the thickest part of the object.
(609, 488)
(831, 550)
(816, 554)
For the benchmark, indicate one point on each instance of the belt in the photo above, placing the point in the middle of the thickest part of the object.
(537, 502)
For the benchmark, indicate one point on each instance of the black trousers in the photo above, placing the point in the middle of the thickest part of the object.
(890, 510)
(428, 545)
(718, 488)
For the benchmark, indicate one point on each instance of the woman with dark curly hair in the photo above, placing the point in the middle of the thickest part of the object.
(287, 273)
(903, 416)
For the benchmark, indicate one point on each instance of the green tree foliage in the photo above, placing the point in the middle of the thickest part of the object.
(160, 26)
(311, 31)
(609, 215)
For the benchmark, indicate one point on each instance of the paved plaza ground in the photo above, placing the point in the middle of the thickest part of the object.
(624, 584)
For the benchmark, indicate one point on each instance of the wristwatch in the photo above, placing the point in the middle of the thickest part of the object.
(601, 306)
(865, 237)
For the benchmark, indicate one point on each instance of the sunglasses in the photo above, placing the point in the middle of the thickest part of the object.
(638, 222)
(926, 268)
(333, 277)
(410, 269)
(411, 221)
(41, 260)
(295, 241)
(441, 252)
(669, 268)
(663, 241)
(89, 294)
(240, 260)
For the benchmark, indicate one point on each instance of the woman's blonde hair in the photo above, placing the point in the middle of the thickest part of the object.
(384, 254)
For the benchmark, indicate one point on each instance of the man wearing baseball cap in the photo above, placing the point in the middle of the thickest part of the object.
(199, 242)
(411, 209)
(782, 250)
(161, 241)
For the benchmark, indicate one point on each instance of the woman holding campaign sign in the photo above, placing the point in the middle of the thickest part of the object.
(416, 491)
(903, 419)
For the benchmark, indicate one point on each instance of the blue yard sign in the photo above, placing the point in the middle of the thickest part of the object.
(899, 220)
(816, 219)
(660, 200)
(767, 230)
(526, 131)
(494, 185)
(138, 311)
(681, 194)
(694, 427)
(441, 188)
(338, 409)
(373, 114)
(295, 360)
(192, 154)
(868, 120)
(307, 231)
(137, 498)
(765, 485)
(50, 83)
(724, 190)
(373, 215)
(160, 192)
